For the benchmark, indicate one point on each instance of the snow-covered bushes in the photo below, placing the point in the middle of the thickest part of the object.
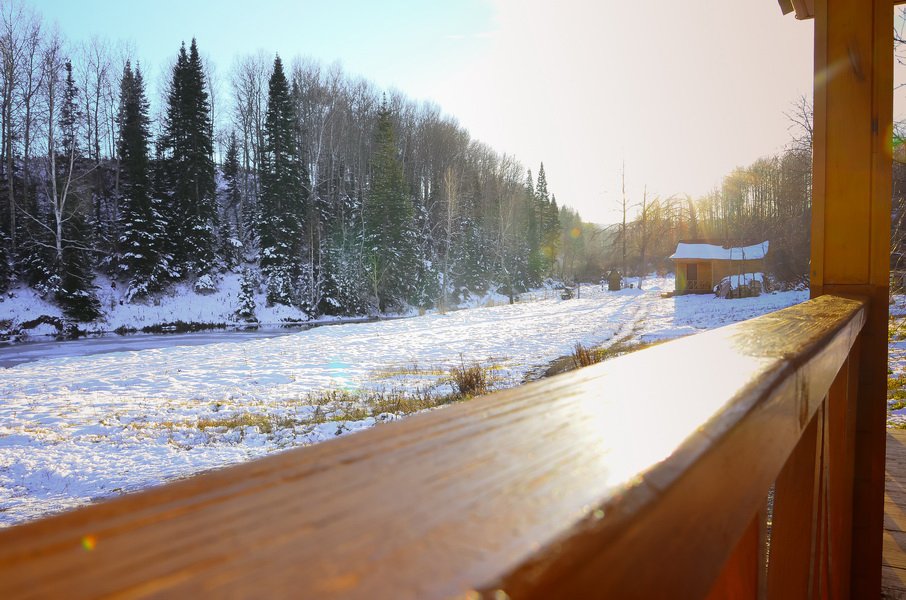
(205, 285)
(247, 287)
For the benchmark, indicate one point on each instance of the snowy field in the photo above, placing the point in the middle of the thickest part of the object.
(78, 428)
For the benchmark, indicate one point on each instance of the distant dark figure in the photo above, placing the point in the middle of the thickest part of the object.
(614, 281)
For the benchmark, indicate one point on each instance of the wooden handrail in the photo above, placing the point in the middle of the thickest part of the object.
(698, 284)
(613, 481)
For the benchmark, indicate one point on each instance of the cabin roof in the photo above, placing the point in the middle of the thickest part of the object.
(687, 251)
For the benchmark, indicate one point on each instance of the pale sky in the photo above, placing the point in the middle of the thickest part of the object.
(684, 91)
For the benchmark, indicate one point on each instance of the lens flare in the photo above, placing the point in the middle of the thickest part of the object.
(89, 542)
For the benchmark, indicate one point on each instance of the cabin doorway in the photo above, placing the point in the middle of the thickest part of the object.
(691, 272)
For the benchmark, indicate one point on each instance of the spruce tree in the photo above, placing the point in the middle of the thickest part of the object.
(247, 307)
(547, 216)
(232, 226)
(280, 225)
(141, 261)
(536, 262)
(74, 278)
(188, 149)
(553, 233)
(388, 216)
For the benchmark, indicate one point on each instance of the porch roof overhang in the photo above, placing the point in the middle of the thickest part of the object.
(805, 9)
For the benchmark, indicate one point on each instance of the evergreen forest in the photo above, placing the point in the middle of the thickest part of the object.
(321, 190)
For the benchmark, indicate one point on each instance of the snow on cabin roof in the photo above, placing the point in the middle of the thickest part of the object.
(715, 252)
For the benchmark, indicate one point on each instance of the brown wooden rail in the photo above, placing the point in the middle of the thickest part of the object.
(698, 285)
(614, 481)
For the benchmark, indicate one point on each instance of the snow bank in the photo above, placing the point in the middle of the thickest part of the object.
(183, 302)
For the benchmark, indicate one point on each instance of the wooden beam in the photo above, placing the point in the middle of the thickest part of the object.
(805, 9)
(601, 483)
(851, 229)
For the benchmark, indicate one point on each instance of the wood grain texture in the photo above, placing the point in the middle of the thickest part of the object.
(840, 456)
(893, 579)
(605, 482)
(853, 120)
(743, 575)
(795, 528)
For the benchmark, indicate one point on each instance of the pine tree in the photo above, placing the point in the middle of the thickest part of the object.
(553, 233)
(141, 231)
(247, 307)
(388, 215)
(541, 193)
(74, 288)
(280, 226)
(232, 226)
(188, 149)
(535, 267)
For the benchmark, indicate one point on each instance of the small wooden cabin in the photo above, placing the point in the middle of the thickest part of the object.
(701, 265)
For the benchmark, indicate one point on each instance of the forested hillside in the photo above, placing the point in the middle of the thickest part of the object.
(332, 196)
(324, 192)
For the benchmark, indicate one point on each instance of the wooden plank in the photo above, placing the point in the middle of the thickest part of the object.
(893, 575)
(895, 549)
(564, 488)
(839, 450)
(742, 575)
(794, 527)
(786, 6)
(893, 586)
(805, 9)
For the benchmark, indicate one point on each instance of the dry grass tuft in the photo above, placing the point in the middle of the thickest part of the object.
(469, 381)
(265, 423)
(583, 356)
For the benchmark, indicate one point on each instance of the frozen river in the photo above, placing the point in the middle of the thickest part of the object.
(16, 353)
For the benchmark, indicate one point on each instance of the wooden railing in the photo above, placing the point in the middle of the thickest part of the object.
(615, 481)
(698, 285)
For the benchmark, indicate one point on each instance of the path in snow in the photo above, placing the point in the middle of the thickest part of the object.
(74, 429)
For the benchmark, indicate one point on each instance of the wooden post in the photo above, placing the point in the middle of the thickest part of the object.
(851, 230)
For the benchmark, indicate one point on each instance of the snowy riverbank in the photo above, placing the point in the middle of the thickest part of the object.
(179, 303)
(73, 429)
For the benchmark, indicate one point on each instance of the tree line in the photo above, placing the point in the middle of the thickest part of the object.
(324, 192)
(769, 199)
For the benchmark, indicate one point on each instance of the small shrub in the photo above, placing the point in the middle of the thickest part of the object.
(205, 285)
(583, 357)
(469, 381)
(247, 307)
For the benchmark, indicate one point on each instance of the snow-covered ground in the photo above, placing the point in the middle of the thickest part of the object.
(77, 428)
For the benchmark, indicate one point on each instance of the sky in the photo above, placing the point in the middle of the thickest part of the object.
(682, 92)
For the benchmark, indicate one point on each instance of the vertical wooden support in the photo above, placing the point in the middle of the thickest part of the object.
(743, 575)
(795, 523)
(851, 230)
(841, 430)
